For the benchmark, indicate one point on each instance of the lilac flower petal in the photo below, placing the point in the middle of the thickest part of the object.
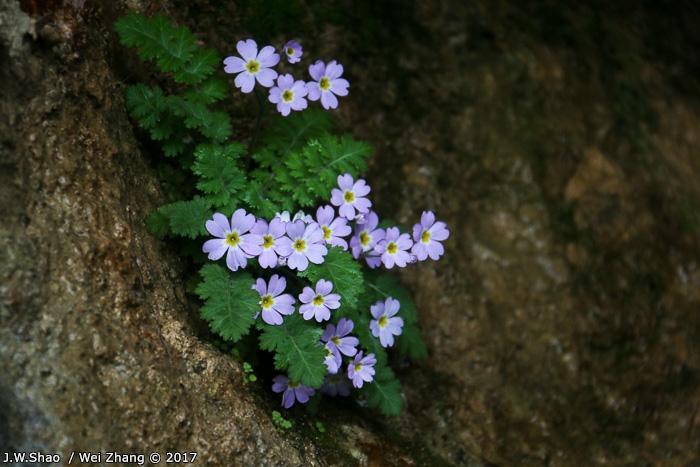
(315, 253)
(324, 287)
(340, 87)
(298, 262)
(216, 248)
(234, 64)
(268, 57)
(345, 326)
(244, 81)
(288, 399)
(329, 101)
(276, 285)
(235, 259)
(272, 317)
(266, 77)
(219, 226)
(314, 91)
(317, 70)
(307, 295)
(280, 383)
(334, 70)
(247, 49)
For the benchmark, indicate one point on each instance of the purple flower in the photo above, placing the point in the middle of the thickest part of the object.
(333, 360)
(293, 51)
(268, 234)
(253, 65)
(273, 304)
(385, 325)
(288, 94)
(233, 240)
(333, 227)
(427, 237)
(336, 384)
(292, 391)
(366, 236)
(393, 249)
(302, 245)
(336, 337)
(328, 83)
(319, 303)
(350, 196)
(361, 369)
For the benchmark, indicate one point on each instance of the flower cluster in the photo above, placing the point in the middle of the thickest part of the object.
(298, 241)
(289, 94)
(294, 242)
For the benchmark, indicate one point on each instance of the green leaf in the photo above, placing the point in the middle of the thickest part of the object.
(219, 175)
(230, 302)
(210, 90)
(259, 204)
(145, 104)
(343, 271)
(158, 223)
(297, 349)
(411, 343)
(214, 125)
(312, 173)
(156, 38)
(188, 218)
(201, 65)
(292, 132)
(344, 156)
(384, 392)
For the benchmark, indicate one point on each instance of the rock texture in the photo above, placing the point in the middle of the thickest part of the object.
(558, 141)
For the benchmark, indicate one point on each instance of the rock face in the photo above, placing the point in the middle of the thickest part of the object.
(562, 323)
(97, 349)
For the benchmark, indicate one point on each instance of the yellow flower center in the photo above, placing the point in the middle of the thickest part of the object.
(391, 248)
(336, 340)
(252, 67)
(425, 236)
(267, 301)
(318, 300)
(349, 196)
(326, 232)
(292, 385)
(324, 84)
(290, 51)
(382, 321)
(287, 95)
(364, 238)
(358, 367)
(300, 245)
(268, 241)
(232, 239)
(330, 353)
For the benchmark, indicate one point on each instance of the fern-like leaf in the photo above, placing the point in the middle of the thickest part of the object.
(292, 132)
(219, 176)
(297, 348)
(145, 104)
(384, 392)
(201, 66)
(188, 218)
(230, 302)
(156, 38)
(210, 90)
